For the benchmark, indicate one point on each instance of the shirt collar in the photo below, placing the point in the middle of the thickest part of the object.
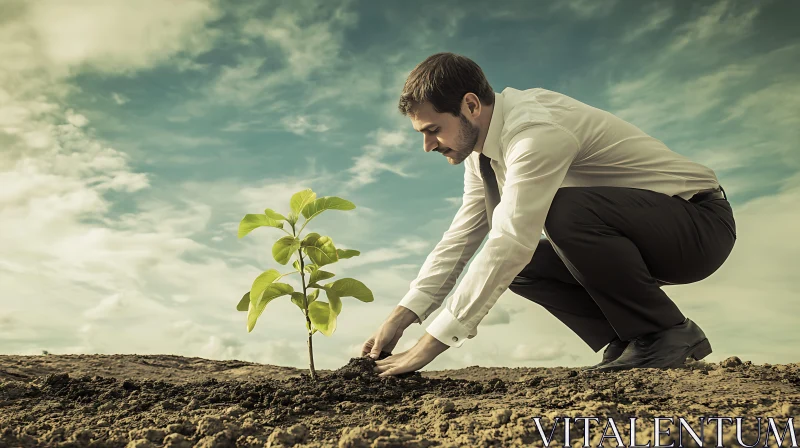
(491, 146)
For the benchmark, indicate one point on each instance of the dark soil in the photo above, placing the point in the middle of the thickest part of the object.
(171, 401)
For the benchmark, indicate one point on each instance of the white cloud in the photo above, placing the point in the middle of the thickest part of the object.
(659, 99)
(454, 201)
(657, 15)
(370, 164)
(498, 315)
(545, 350)
(719, 24)
(401, 249)
(310, 34)
(117, 35)
(368, 167)
(303, 124)
(391, 138)
(309, 37)
(119, 98)
(586, 9)
(76, 119)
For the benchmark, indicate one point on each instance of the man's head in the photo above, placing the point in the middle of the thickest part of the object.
(449, 100)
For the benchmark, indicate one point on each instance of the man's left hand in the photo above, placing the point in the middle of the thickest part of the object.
(420, 355)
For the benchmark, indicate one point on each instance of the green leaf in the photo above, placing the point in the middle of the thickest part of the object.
(297, 298)
(283, 249)
(320, 249)
(296, 265)
(244, 304)
(347, 253)
(311, 267)
(274, 215)
(301, 199)
(261, 282)
(322, 317)
(350, 287)
(334, 300)
(320, 275)
(327, 203)
(252, 221)
(272, 292)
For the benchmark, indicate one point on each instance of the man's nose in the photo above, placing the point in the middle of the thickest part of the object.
(429, 144)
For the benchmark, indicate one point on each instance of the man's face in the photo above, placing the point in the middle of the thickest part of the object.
(454, 137)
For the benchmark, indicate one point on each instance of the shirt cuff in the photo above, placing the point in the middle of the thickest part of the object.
(418, 302)
(448, 330)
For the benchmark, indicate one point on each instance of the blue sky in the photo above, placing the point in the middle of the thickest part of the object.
(135, 136)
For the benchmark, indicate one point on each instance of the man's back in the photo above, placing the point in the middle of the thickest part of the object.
(613, 152)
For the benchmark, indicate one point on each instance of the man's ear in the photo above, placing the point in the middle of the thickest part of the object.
(473, 104)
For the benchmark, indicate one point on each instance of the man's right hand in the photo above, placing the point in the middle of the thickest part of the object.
(387, 336)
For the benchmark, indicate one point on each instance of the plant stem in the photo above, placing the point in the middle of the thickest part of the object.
(308, 320)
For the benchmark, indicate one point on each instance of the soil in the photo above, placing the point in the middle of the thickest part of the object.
(172, 401)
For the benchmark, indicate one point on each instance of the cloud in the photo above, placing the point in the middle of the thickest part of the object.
(370, 164)
(308, 33)
(720, 24)
(545, 351)
(585, 9)
(657, 15)
(303, 124)
(403, 248)
(114, 36)
(119, 98)
(76, 120)
(306, 38)
(454, 201)
(660, 99)
(391, 138)
(497, 316)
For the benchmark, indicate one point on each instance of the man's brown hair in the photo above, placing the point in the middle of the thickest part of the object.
(443, 79)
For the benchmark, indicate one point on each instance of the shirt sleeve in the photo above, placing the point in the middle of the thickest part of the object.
(537, 161)
(445, 263)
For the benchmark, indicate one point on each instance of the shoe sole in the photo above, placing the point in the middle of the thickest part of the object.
(696, 352)
(700, 350)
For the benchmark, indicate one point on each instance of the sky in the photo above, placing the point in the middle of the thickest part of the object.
(134, 136)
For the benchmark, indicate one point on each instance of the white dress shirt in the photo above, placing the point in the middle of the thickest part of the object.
(538, 141)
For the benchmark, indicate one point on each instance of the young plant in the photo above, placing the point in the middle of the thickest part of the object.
(319, 315)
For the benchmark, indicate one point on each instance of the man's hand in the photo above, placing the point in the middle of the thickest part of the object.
(426, 349)
(389, 333)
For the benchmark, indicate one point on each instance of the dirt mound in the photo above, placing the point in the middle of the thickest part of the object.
(353, 407)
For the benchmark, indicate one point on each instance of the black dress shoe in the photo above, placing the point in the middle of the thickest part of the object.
(613, 350)
(663, 349)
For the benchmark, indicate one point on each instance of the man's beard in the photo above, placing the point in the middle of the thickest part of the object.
(467, 139)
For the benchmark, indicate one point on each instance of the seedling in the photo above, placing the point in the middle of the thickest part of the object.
(320, 315)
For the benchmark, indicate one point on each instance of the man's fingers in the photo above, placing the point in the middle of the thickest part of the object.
(382, 362)
(376, 350)
(388, 372)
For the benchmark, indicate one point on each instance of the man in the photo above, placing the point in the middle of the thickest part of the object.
(622, 213)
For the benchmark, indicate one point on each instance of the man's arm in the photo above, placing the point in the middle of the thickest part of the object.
(445, 263)
(537, 161)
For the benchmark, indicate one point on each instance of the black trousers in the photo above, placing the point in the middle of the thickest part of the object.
(610, 249)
